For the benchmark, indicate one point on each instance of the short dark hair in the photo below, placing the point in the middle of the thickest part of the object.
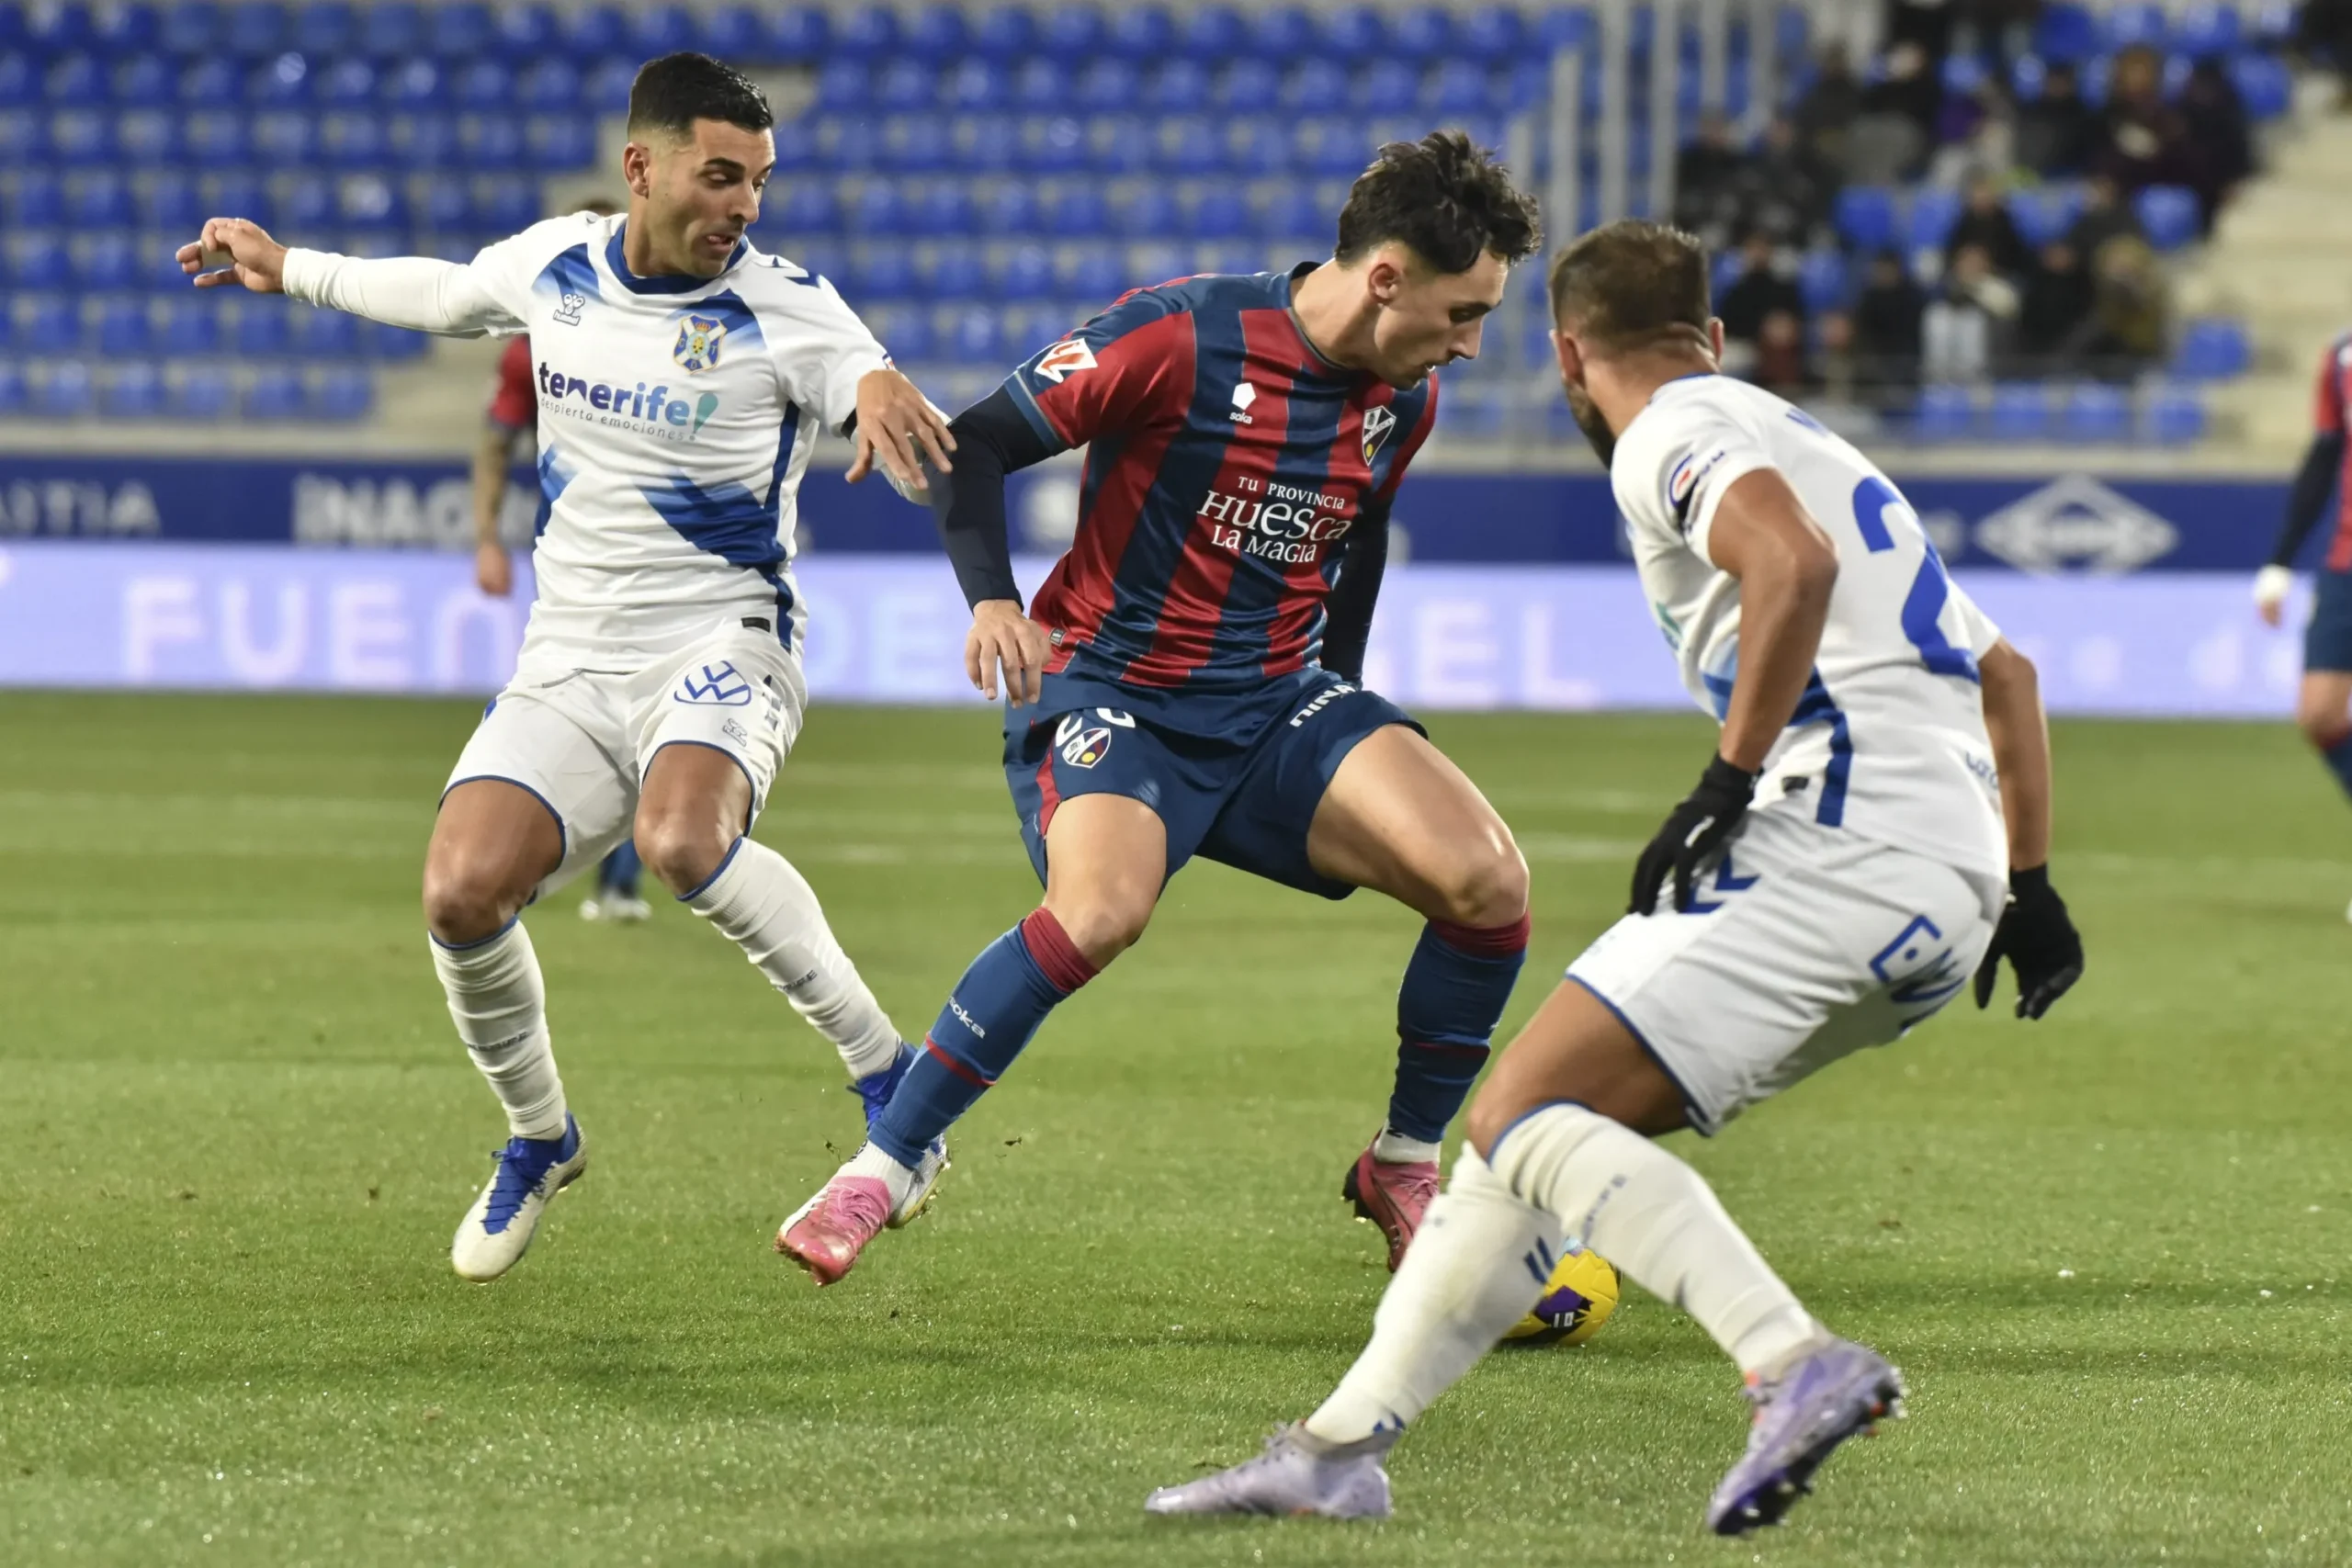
(1632, 285)
(671, 93)
(1444, 197)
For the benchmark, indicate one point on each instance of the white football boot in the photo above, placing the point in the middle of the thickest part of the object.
(497, 1230)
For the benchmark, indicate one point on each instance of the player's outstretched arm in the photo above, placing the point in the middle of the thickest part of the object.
(2036, 934)
(417, 292)
(993, 438)
(1763, 535)
(2306, 500)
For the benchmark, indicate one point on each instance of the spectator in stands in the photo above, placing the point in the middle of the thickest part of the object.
(2105, 215)
(1826, 114)
(1706, 175)
(2057, 132)
(1886, 325)
(2324, 33)
(1891, 136)
(2143, 140)
(1758, 291)
(2128, 309)
(1779, 365)
(2055, 317)
(1967, 325)
(1926, 25)
(1984, 221)
(1782, 189)
(2217, 131)
(1840, 375)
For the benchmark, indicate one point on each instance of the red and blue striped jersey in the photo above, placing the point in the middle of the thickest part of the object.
(1226, 462)
(2332, 415)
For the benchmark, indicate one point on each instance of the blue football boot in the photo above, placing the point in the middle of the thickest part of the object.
(497, 1230)
(1802, 1412)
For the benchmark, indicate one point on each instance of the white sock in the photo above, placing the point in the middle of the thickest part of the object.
(1653, 1217)
(1478, 1262)
(1392, 1147)
(878, 1163)
(498, 1004)
(769, 910)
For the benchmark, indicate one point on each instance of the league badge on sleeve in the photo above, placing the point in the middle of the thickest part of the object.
(1377, 422)
(697, 346)
(1065, 358)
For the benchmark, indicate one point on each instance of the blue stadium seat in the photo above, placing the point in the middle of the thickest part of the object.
(1005, 34)
(2045, 214)
(44, 324)
(275, 393)
(1964, 73)
(144, 79)
(81, 136)
(169, 200)
(875, 210)
(483, 84)
(608, 87)
(2212, 348)
(19, 83)
(1491, 35)
(306, 204)
(2174, 416)
(1149, 213)
(490, 142)
(1095, 273)
(109, 263)
(2265, 83)
(149, 138)
(193, 27)
(423, 142)
(392, 345)
(99, 201)
(201, 392)
(973, 337)
(868, 32)
(2094, 74)
(119, 32)
(525, 33)
(953, 272)
(1011, 208)
(1933, 212)
(936, 35)
(255, 30)
(346, 83)
(1821, 276)
(1257, 146)
(1055, 145)
(549, 85)
(978, 85)
(1723, 272)
(593, 33)
(914, 144)
(1044, 84)
(131, 391)
(323, 30)
(2206, 28)
(352, 139)
(12, 389)
(321, 334)
(75, 79)
(124, 332)
(1108, 86)
(844, 86)
(2066, 31)
(58, 29)
(1026, 274)
(1121, 144)
(212, 138)
(1178, 86)
(39, 259)
(392, 29)
(1314, 86)
(1191, 146)
(557, 141)
(1141, 34)
(2027, 73)
(1284, 33)
(904, 84)
(191, 326)
(904, 332)
(2096, 414)
(2134, 22)
(24, 137)
(1356, 32)
(67, 391)
(1945, 414)
(283, 138)
(460, 32)
(1336, 148)
(1865, 216)
(208, 83)
(413, 84)
(1076, 212)
(807, 207)
(1387, 87)
(261, 330)
(1292, 212)
(37, 201)
(1071, 33)
(242, 193)
(1427, 34)
(2021, 412)
(2168, 214)
(739, 35)
(1246, 86)
(943, 210)
(657, 30)
(370, 204)
(1458, 87)
(443, 206)
(1212, 34)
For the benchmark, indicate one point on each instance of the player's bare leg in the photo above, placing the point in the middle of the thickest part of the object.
(1557, 1142)
(2323, 713)
(1401, 818)
(1106, 860)
(492, 843)
(693, 817)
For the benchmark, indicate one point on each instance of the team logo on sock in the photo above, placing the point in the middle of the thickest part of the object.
(718, 685)
(1082, 745)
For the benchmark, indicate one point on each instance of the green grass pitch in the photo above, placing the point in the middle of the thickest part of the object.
(236, 1131)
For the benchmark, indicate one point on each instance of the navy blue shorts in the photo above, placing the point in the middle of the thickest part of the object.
(2327, 641)
(1233, 777)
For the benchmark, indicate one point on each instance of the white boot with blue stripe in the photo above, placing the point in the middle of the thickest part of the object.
(497, 1230)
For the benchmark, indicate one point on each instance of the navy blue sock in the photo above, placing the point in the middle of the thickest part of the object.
(1455, 990)
(995, 1008)
(621, 869)
(2339, 759)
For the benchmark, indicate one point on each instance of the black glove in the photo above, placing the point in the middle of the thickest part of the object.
(2039, 943)
(1695, 830)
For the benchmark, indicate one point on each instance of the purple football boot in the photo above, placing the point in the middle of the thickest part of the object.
(1814, 1404)
(1298, 1473)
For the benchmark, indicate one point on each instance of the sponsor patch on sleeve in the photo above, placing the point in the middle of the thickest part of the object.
(1066, 358)
(1682, 483)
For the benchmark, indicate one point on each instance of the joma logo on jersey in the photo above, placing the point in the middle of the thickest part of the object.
(1243, 396)
(1378, 423)
(640, 407)
(718, 685)
(698, 341)
(1066, 358)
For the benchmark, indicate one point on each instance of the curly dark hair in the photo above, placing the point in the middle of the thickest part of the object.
(671, 93)
(1444, 197)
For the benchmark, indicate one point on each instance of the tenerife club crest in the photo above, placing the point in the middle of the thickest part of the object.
(699, 338)
(1378, 423)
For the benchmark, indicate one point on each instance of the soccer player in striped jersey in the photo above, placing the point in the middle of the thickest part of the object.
(1189, 680)
(2323, 706)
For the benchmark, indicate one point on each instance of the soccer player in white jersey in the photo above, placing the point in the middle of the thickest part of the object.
(1874, 825)
(681, 376)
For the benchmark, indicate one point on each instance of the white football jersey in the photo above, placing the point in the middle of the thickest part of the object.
(1889, 741)
(675, 420)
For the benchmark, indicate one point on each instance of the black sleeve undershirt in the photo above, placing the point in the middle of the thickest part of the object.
(993, 437)
(2308, 498)
(1347, 626)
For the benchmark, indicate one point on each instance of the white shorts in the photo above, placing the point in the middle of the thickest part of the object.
(581, 738)
(1805, 944)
